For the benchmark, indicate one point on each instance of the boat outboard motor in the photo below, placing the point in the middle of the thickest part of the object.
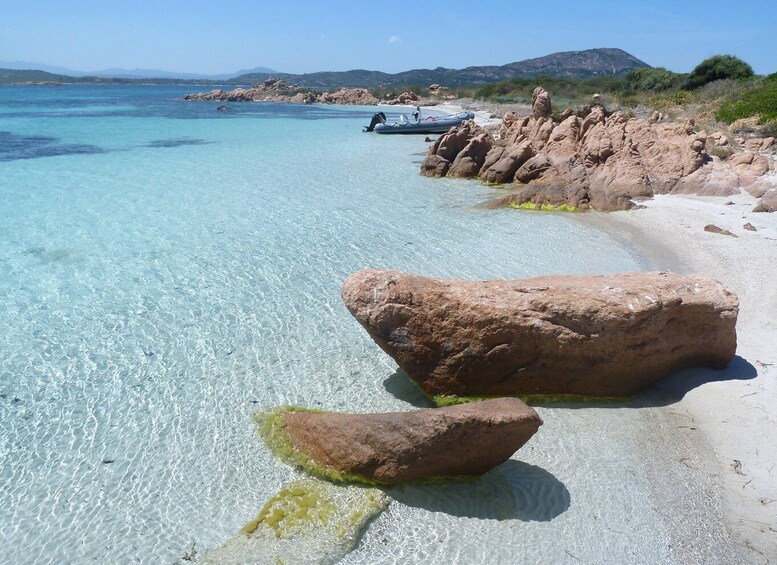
(379, 118)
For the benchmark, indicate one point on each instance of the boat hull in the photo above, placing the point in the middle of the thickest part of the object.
(429, 125)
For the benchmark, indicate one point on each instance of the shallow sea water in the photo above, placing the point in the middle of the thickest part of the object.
(166, 270)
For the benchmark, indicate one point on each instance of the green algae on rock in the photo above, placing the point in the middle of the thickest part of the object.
(272, 429)
(441, 400)
(308, 521)
(543, 207)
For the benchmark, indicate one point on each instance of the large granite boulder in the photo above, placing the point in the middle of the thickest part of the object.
(435, 166)
(603, 336)
(467, 439)
(470, 159)
(768, 202)
(509, 162)
(468, 138)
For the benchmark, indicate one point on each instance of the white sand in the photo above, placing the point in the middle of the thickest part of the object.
(482, 117)
(735, 409)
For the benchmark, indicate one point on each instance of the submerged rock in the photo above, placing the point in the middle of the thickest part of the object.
(603, 336)
(398, 447)
(308, 521)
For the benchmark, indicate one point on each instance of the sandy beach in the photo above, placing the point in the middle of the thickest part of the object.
(735, 409)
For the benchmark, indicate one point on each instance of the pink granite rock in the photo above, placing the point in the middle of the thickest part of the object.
(583, 335)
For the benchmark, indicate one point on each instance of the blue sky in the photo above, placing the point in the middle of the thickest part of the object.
(218, 36)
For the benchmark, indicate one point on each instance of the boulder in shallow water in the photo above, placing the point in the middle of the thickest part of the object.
(396, 447)
(604, 336)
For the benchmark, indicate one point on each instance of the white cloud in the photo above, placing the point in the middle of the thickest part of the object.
(394, 39)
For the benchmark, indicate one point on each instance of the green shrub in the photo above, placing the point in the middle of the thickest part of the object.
(717, 68)
(760, 101)
(668, 100)
(725, 89)
(656, 79)
(563, 91)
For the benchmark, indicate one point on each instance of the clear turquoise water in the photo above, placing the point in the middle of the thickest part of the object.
(167, 269)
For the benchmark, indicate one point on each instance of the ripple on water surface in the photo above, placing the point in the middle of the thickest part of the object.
(156, 294)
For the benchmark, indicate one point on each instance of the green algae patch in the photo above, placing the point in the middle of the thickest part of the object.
(441, 401)
(307, 521)
(294, 509)
(534, 399)
(543, 207)
(272, 429)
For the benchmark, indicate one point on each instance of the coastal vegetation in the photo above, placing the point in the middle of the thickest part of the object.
(719, 67)
(722, 88)
(760, 102)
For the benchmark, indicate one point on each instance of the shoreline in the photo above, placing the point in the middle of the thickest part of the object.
(734, 408)
(730, 412)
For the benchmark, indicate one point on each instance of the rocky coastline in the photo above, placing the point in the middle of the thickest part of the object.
(275, 90)
(600, 160)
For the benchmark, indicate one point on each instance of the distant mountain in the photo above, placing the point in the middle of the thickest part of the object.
(127, 73)
(16, 76)
(568, 64)
(156, 73)
(26, 65)
(31, 76)
(248, 71)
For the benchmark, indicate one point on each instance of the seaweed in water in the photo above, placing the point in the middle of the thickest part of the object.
(14, 147)
(308, 521)
(176, 142)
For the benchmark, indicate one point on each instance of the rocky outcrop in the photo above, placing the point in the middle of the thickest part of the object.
(275, 90)
(348, 96)
(470, 159)
(580, 335)
(605, 161)
(540, 103)
(268, 89)
(397, 447)
(219, 95)
(466, 146)
(403, 99)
